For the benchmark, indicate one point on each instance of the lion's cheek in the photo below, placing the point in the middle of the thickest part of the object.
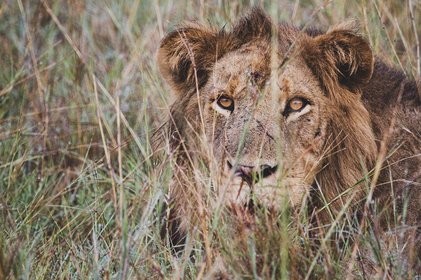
(215, 141)
(289, 191)
(300, 170)
(297, 189)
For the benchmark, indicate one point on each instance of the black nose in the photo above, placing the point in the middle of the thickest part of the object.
(250, 174)
(267, 170)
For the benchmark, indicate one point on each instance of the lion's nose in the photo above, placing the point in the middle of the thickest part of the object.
(251, 174)
(267, 170)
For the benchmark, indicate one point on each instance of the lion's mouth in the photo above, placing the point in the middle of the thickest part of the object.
(250, 207)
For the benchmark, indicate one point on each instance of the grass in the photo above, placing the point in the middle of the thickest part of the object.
(81, 193)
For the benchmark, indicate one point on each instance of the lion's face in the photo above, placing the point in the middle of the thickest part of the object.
(272, 128)
(266, 128)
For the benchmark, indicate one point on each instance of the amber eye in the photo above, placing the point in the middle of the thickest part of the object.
(226, 103)
(296, 104)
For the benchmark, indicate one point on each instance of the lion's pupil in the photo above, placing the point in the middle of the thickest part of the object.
(296, 104)
(225, 102)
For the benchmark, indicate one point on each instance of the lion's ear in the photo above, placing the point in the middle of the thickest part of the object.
(186, 56)
(340, 56)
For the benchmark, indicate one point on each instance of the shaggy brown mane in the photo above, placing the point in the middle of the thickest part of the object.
(342, 72)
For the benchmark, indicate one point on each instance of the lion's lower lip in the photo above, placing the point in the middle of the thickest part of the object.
(250, 206)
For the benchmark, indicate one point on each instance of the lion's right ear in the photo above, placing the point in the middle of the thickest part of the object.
(186, 55)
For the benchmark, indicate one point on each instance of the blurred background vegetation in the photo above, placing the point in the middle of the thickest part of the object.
(81, 96)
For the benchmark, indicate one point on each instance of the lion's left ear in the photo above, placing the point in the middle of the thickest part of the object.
(340, 56)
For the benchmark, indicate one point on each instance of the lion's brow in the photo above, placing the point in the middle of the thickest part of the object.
(240, 90)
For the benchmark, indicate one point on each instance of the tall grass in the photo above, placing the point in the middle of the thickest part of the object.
(81, 193)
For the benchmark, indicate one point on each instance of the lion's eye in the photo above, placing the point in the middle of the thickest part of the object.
(226, 103)
(296, 104)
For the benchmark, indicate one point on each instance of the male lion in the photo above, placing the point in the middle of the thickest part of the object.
(274, 112)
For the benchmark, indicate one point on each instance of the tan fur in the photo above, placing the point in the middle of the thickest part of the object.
(325, 150)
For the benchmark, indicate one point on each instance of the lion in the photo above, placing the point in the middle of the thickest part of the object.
(277, 114)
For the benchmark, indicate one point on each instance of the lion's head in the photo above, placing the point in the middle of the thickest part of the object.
(278, 111)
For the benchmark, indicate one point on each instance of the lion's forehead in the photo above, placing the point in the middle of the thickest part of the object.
(240, 66)
(234, 71)
(296, 78)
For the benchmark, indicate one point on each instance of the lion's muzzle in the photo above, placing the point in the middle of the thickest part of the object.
(252, 174)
